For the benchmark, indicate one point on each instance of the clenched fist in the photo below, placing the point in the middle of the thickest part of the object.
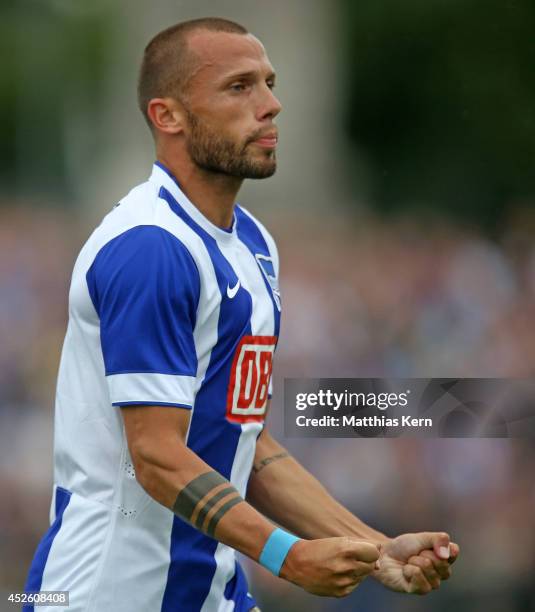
(416, 562)
(330, 567)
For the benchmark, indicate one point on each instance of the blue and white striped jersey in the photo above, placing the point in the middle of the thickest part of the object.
(164, 308)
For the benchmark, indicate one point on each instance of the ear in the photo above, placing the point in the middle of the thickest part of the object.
(166, 115)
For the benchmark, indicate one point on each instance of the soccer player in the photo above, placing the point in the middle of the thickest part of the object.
(163, 464)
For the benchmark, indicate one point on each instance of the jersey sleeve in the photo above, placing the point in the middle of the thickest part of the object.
(145, 285)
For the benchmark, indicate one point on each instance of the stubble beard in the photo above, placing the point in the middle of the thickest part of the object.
(214, 153)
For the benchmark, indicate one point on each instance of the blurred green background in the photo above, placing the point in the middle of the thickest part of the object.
(404, 212)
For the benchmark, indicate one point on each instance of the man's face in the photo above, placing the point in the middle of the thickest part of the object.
(230, 106)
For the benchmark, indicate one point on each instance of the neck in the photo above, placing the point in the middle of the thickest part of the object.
(213, 194)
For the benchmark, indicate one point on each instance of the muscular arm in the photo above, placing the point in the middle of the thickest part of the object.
(177, 478)
(283, 490)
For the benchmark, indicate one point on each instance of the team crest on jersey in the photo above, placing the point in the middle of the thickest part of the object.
(268, 270)
(249, 379)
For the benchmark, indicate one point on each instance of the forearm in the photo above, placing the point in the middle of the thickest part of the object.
(281, 489)
(195, 492)
(179, 479)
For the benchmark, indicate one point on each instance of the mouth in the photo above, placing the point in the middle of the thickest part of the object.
(267, 141)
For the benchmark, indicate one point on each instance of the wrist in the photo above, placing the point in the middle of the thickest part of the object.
(382, 544)
(291, 568)
(381, 539)
(276, 549)
(371, 535)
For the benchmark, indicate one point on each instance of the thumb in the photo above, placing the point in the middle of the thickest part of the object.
(441, 545)
(439, 542)
(364, 551)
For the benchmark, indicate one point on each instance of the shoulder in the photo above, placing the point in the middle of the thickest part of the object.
(145, 262)
(138, 207)
(136, 235)
(147, 244)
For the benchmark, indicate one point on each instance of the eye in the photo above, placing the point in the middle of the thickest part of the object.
(270, 83)
(238, 87)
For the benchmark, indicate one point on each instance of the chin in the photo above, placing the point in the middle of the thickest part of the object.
(267, 164)
(263, 171)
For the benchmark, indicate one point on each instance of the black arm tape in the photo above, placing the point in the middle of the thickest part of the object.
(210, 530)
(203, 512)
(194, 491)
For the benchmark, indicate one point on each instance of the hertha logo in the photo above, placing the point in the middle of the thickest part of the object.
(268, 270)
(249, 379)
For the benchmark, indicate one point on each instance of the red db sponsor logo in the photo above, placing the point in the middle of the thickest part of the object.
(249, 379)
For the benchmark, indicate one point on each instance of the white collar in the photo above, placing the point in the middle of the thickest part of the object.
(162, 177)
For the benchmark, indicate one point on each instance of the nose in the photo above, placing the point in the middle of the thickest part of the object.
(270, 106)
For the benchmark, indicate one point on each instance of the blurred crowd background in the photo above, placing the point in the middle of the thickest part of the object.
(404, 211)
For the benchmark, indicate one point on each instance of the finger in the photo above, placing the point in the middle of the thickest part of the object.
(346, 585)
(416, 580)
(441, 545)
(352, 587)
(428, 569)
(454, 552)
(378, 561)
(350, 581)
(362, 551)
(437, 541)
(441, 566)
(355, 570)
(361, 570)
(345, 591)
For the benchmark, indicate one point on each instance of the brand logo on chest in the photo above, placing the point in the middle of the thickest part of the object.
(249, 379)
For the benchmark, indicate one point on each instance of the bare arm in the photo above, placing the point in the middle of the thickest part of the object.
(165, 466)
(283, 490)
(179, 479)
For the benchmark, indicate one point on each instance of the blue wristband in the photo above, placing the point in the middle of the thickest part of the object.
(276, 549)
